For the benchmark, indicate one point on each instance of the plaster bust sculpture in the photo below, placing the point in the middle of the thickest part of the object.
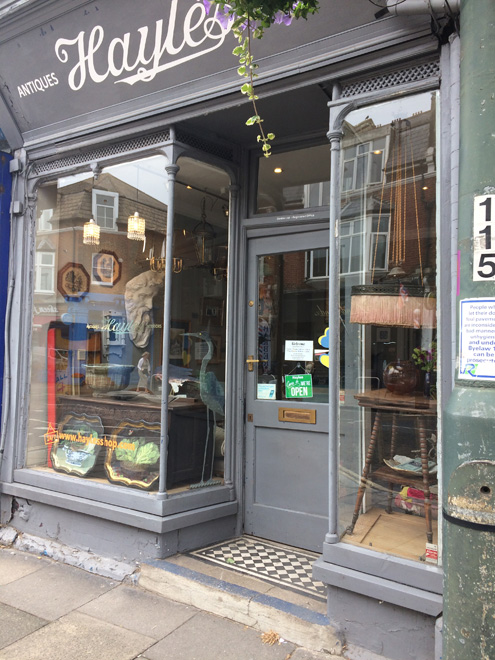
(139, 295)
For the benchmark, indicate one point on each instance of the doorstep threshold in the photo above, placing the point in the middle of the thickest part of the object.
(246, 600)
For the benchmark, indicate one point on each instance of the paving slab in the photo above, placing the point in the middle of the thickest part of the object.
(139, 610)
(14, 565)
(207, 637)
(76, 636)
(15, 624)
(54, 591)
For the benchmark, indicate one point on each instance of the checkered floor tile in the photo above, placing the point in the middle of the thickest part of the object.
(266, 560)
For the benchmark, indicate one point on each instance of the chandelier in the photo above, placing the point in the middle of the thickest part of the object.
(136, 227)
(91, 233)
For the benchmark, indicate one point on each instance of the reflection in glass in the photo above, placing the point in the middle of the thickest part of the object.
(293, 314)
(294, 180)
(98, 319)
(388, 420)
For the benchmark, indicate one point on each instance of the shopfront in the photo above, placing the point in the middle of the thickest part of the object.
(205, 342)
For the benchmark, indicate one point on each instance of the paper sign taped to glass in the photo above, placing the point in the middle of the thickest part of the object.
(477, 339)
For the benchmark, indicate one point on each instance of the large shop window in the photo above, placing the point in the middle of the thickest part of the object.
(388, 356)
(98, 324)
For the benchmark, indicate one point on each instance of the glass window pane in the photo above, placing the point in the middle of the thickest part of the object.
(47, 258)
(290, 308)
(356, 254)
(320, 260)
(198, 327)
(388, 349)
(98, 318)
(362, 164)
(348, 175)
(379, 247)
(294, 180)
(345, 244)
(376, 167)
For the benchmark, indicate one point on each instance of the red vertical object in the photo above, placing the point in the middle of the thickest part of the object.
(50, 386)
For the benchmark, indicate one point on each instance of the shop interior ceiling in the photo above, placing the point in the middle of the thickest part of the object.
(291, 115)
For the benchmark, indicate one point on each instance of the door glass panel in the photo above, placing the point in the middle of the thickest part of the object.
(293, 315)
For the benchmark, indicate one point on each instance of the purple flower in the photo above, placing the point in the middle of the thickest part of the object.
(207, 5)
(282, 17)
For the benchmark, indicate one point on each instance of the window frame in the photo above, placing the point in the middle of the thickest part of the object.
(369, 163)
(95, 206)
(38, 269)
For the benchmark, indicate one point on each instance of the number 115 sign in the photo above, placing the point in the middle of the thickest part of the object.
(483, 241)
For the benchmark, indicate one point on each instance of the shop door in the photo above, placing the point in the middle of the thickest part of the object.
(286, 474)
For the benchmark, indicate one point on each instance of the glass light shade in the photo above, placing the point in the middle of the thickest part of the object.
(136, 227)
(91, 233)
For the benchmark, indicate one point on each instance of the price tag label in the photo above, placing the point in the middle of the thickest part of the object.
(483, 242)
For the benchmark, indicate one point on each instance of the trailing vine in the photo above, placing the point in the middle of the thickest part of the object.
(249, 19)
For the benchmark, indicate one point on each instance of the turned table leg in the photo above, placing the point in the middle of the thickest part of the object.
(366, 471)
(426, 480)
(393, 442)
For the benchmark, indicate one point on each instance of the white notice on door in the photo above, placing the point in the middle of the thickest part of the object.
(297, 350)
(477, 339)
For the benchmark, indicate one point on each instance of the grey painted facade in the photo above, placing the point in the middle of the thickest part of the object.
(191, 107)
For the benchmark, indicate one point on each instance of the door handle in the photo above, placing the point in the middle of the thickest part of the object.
(250, 361)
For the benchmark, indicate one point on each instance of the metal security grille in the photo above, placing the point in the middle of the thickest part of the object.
(392, 79)
(132, 147)
(97, 155)
(214, 148)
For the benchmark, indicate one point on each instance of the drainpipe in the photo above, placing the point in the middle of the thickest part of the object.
(469, 418)
(436, 8)
(439, 7)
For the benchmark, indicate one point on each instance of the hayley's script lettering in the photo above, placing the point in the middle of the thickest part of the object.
(144, 54)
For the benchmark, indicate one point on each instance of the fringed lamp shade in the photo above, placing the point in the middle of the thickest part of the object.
(91, 233)
(136, 227)
(393, 304)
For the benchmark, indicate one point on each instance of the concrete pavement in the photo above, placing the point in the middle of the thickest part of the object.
(50, 610)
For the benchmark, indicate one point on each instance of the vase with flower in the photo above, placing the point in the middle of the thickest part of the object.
(426, 360)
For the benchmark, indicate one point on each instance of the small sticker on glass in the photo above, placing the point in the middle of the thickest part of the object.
(267, 390)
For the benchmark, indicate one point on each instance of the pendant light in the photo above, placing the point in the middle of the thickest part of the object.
(203, 236)
(91, 233)
(136, 225)
(91, 229)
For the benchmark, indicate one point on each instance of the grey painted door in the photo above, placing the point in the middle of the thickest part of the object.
(286, 473)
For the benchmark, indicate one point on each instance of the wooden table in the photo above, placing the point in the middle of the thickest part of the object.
(412, 405)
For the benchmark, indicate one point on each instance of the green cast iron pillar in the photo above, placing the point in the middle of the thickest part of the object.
(469, 418)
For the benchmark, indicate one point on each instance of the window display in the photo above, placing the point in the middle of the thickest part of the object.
(98, 326)
(388, 420)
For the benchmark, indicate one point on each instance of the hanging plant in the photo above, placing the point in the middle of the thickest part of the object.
(249, 19)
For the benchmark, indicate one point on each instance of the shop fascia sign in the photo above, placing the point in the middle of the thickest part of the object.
(135, 57)
(200, 34)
